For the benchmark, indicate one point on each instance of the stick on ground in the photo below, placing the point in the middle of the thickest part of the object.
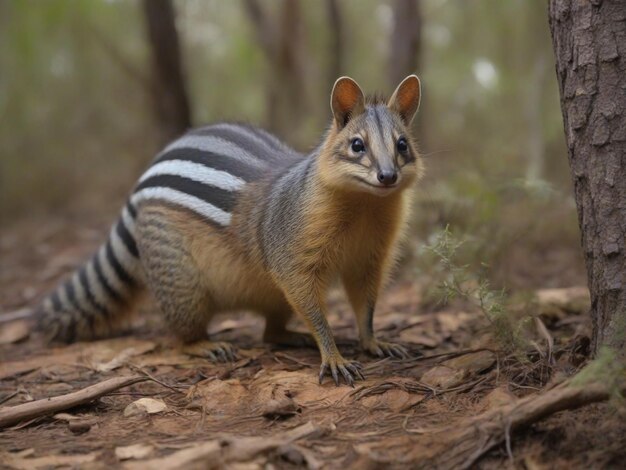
(46, 406)
(462, 445)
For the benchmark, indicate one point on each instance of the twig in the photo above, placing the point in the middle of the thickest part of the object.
(228, 449)
(154, 379)
(293, 359)
(19, 314)
(460, 446)
(46, 406)
(8, 397)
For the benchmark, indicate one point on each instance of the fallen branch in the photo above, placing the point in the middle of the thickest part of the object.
(461, 446)
(229, 449)
(46, 406)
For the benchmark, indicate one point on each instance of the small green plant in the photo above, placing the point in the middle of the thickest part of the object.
(607, 368)
(458, 281)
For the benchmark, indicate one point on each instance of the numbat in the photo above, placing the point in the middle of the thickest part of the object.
(227, 217)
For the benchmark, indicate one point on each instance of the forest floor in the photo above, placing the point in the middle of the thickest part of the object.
(267, 409)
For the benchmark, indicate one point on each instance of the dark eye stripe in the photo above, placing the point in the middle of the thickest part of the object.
(350, 158)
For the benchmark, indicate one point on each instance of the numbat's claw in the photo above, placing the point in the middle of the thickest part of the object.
(350, 370)
(215, 351)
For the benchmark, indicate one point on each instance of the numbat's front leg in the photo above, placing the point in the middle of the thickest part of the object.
(362, 293)
(307, 300)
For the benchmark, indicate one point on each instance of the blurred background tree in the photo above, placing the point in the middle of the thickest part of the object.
(169, 93)
(90, 89)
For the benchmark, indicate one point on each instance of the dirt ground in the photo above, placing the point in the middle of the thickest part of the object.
(267, 410)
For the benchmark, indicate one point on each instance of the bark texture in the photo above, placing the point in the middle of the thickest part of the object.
(169, 93)
(589, 38)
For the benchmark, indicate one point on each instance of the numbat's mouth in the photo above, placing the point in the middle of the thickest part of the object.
(378, 187)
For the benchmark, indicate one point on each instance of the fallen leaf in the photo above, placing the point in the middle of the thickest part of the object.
(455, 371)
(394, 399)
(220, 396)
(498, 397)
(207, 452)
(473, 362)
(122, 358)
(81, 426)
(413, 335)
(136, 451)
(145, 405)
(280, 408)
(14, 332)
(443, 377)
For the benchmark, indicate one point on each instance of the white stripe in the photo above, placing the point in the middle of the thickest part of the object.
(65, 302)
(96, 288)
(47, 305)
(186, 200)
(216, 145)
(244, 131)
(129, 222)
(80, 295)
(109, 273)
(195, 171)
(125, 257)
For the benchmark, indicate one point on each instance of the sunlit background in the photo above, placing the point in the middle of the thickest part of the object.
(78, 118)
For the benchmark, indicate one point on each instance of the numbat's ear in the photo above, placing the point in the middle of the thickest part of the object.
(346, 100)
(406, 99)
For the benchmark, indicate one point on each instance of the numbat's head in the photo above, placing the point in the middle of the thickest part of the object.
(369, 147)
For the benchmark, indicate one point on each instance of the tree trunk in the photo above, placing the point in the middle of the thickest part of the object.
(170, 99)
(337, 41)
(282, 39)
(404, 53)
(589, 38)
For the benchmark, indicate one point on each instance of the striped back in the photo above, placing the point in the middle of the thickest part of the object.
(204, 169)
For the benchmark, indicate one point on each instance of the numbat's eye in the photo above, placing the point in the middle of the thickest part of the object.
(357, 145)
(402, 145)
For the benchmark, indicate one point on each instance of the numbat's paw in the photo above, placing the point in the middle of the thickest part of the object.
(384, 349)
(215, 351)
(350, 370)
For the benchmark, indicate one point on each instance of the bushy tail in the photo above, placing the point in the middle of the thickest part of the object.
(97, 295)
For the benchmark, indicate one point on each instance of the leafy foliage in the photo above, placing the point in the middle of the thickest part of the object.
(457, 281)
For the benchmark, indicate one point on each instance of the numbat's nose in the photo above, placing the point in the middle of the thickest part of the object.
(387, 177)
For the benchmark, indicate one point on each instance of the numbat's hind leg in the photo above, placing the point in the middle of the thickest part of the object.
(217, 351)
(276, 331)
(177, 283)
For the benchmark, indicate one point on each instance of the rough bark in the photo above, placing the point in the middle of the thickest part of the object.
(170, 99)
(404, 54)
(589, 39)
